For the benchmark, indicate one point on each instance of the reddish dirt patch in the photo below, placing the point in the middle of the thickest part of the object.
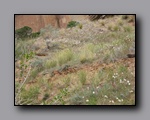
(128, 62)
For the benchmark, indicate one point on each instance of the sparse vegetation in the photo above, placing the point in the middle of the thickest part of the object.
(110, 27)
(73, 24)
(116, 28)
(120, 22)
(89, 65)
(127, 28)
(80, 26)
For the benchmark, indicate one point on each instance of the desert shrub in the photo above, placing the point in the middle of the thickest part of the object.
(23, 32)
(38, 64)
(34, 35)
(23, 49)
(76, 99)
(72, 24)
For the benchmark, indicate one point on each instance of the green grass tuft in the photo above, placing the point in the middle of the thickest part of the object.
(64, 56)
(82, 77)
(50, 64)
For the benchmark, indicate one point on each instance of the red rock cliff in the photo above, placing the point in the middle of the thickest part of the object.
(36, 22)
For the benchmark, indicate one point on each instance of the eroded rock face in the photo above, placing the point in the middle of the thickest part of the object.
(62, 20)
(36, 22)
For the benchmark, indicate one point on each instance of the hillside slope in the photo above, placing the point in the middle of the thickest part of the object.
(88, 64)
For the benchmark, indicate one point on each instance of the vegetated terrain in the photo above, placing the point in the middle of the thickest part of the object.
(84, 64)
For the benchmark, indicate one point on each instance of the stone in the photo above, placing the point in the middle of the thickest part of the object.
(41, 54)
(131, 55)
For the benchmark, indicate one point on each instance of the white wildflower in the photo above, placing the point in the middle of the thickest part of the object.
(129, 83)
(93, 92)
(106, 96)
(121, 81)
(87, 100)
(97, 87)
(131, 91)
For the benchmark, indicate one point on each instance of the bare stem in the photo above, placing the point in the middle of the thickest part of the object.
(25, 79)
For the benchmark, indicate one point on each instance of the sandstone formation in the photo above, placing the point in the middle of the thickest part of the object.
(36, 22)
